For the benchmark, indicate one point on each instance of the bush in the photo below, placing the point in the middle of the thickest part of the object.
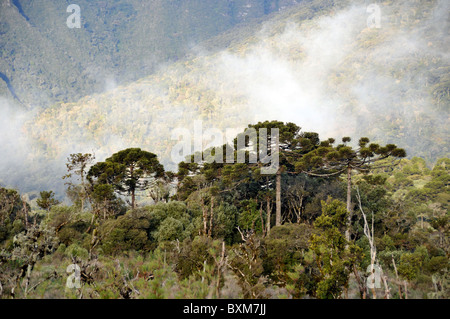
(18, 227)
(76, 251)
(128, 232)
(193, 255)
(284, 246)
(169, 229)
(171, 221)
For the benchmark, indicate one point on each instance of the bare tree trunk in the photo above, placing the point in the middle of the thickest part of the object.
(370, 235)
(278, 199)
(396, 275)
(204, 271)
(361, 285)
(387, 290)
(299, 209)
(27, 280)
(268, 216)
(205, 216)
(374, 291)
(211, 217)
(83, 187)
(133, 199)
(219, 270)
(92, 222)
(263, 228)
(349, 202)
(82, 198)
(406, 289)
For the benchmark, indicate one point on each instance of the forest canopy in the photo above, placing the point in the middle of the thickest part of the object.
(220, 230)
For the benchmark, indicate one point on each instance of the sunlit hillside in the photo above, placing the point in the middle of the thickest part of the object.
(329, 72)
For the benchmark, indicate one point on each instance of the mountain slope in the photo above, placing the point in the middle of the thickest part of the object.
(316, 64)
(119, 41)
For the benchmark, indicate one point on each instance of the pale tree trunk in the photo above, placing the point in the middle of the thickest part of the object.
(370, 234)
(27, 280)
(268, 216)
(263, 227)
(278, 199)
(349, 202)
(220, 265)
(396, 275)
(406, 289)
(387, 290)
(374, 292)
(92, 222)
(211, 217)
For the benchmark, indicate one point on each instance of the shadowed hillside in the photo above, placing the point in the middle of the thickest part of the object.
(118, 42)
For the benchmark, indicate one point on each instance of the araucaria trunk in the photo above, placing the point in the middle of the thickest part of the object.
(278, 199)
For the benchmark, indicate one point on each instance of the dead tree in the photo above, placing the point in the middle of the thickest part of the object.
(370, 235)
(220, 264)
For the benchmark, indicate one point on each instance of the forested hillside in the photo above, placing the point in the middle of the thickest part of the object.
(97, 203)
(230, 232)
(317, 64)
(45, 61)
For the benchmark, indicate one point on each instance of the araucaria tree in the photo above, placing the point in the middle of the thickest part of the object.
(327, 161)
(288, 139)
(128, 171)
(47, 200)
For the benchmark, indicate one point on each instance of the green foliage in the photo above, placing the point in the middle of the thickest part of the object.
(334, 256)
(10, 204)
(155, 251)
(171, 220)
(194, 255)
(105, 202)
(225, 222)
(127, 171)
(250, 217)
(128, 232)
(75, 250)
(77, 164)
(47, 200)
(285, 250)
(169, 229)
(334, 160)
(59, 216)
(409, 266)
